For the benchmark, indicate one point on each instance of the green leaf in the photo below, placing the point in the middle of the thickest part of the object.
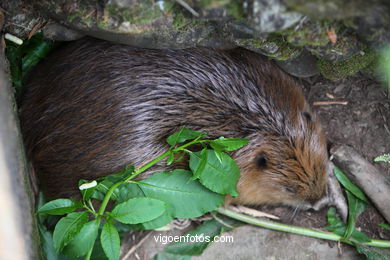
(14, 56)
(205, 234)
(156, 223)
(98, 252)
(131, 190)
(116, 177)
(360, 237)
(355, 208)
(128, 191)
(385, 226)
(110, 241)
(37, 48)
(170, 159)
(60, 207)
(47, 243)
(186, 198)
(337, 226)
(97, 195)
(229, 144)
(83, 241)
(138, 210)
(384, 66)
(343, 179)
(67, 228)
(104, 186)
(218, 177)
(182, 135)
(202, 164)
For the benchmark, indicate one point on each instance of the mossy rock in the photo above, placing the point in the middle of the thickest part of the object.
(309, 33)
(338, 70)
(274, 46)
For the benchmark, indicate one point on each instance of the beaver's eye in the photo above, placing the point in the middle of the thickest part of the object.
(261, 161)
(307, 115)
(289, 190)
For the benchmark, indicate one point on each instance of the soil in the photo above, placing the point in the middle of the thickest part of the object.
(363, 123)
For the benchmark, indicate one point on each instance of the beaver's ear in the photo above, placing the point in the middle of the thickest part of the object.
(261, 161)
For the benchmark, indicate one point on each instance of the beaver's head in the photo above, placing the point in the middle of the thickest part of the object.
(288, 169)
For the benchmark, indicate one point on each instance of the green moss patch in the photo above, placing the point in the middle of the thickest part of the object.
(341, 69)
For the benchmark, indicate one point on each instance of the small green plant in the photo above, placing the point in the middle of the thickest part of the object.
(357, 203)
(24, 57)
(383, 158)
(384, 66)
(153, 202)
(149, 203)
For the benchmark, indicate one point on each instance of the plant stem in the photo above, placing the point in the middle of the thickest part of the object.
(107, 198)
(88, 256)
(296, 230)
(148, 165)
(142, 169)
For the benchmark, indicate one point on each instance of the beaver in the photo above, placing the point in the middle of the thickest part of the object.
(93, 107)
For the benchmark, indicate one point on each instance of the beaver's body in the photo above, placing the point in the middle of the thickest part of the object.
(94, 107)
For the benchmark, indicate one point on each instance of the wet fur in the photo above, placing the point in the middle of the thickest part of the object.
(94, 107)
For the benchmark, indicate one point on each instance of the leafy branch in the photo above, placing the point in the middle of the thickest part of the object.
(153, 202)
(148, 203)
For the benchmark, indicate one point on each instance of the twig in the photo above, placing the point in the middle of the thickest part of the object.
(324, 103)
(135, 247)
(189, 8)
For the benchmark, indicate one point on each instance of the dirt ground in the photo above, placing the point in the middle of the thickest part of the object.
(362, 123)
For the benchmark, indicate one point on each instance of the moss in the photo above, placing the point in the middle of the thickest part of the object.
(210, 4)
(102, 24)
(341, 69)
(274, 47)
(83, 15)
(183, 23)
(236, 9)
(142, 13)
(179, 20)
(89, 21)
(323, 9)
(73, 16)
(233, 7)
(310, 33)
(286, 50)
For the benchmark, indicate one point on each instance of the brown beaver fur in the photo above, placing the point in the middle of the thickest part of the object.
(94, 106)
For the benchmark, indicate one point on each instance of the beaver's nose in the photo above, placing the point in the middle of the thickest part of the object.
(317, 201)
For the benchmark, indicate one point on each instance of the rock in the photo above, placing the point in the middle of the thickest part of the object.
(273, 46)
(57, 32)
(20, 235)
(255, 243)
(302, 66)
(369, 19)
(20, 20)
(268, 16)
(374, 26)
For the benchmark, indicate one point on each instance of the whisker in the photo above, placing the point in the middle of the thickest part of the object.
(294, 213)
